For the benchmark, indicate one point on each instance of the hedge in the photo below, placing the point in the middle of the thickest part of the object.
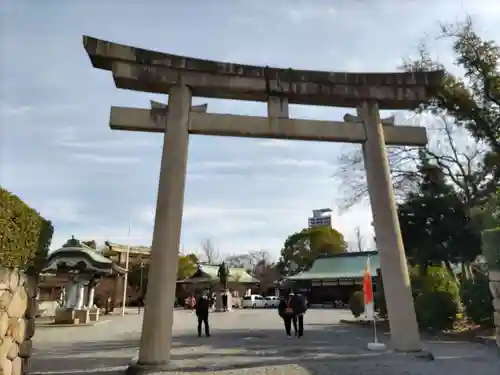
(25, 236)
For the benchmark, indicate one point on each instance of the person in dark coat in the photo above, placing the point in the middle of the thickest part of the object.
(202, 309)
(299, 307)
(285, 311)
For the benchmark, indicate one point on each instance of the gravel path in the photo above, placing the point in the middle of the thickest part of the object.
(250, 342)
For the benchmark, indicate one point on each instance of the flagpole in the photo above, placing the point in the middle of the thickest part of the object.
(375, 336)
(376, 344)
(125, 278)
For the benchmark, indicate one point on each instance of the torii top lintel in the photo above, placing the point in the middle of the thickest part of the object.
(144, 70)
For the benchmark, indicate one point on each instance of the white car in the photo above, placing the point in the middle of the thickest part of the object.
(253, 301)
(271, 301)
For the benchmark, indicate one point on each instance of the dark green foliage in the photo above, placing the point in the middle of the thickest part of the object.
(475, 104)
(138, 277)
(435, 224)
(477, 299)
(436, 310)
(487, 215)
(357, 303)
(491, 248)
(139, 273)
(304, 247)
(437, 298)
(472, 101)
(435, 279)
(25, 236)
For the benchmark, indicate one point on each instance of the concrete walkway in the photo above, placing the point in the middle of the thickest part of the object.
(250, 342)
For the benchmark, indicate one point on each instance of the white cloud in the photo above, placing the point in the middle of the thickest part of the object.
(240, 20)
(144, 215)
(200, 213)
(11, 110)
(222, 164)
(62, 210)
(105, 159)
(276, 143)
(139, 235)
(112, 144)
(243, 164)
(307, 13)
(305, 163)
(206, 213)
(73, 137)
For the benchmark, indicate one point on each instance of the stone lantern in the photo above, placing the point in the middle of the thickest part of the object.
(83, 267)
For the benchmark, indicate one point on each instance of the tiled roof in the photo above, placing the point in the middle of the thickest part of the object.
(114, 248)
(235, 274)
(74, 250)
(341, 266)
(84, 250)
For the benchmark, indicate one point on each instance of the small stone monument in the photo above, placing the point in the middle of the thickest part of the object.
(491, 251)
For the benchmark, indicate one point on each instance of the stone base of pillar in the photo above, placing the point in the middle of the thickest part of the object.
(93, 314)
(64, 315)
(218, 301)
(157, 368)
(83, 316)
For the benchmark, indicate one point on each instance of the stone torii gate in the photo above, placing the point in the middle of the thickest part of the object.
(182, 77)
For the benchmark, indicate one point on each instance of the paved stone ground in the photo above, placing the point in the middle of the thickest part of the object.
(250, 342)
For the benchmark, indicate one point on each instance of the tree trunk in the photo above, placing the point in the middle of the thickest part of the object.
(449, 268)
(467, 271)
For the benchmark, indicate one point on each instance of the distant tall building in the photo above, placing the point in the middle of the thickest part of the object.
(321, 218)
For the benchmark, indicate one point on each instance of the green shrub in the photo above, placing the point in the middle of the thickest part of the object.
(491, 248)
(437, 298)
(477, 300)
(25, 236)
(436, 279)
(357, 303)
(436, 310)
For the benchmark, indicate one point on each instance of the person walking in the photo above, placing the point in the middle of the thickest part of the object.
(202, 310)
(192, 303)
(285, 311)
(299, 306)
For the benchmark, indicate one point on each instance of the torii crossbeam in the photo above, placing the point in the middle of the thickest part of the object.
(145, 120)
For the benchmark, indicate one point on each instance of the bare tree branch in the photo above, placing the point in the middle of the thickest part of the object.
(209, 252)
(360, 240)
(450, 147)
(250, 260)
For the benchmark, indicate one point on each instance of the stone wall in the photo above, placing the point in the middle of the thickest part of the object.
(491, 252)
(495, 292)
(17, 320)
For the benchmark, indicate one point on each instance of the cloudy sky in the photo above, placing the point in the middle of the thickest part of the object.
(58, 154)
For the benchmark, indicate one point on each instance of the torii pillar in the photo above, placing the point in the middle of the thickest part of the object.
(156, 338)
(401, 312)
